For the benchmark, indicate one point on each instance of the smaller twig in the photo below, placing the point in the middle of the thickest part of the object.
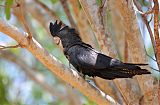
(68, 13)
(13, 6)
(120, 89)
(150, 18)
(145, 13)
(138, 10)
(23, 20)
(151, 57)
(126, 54)
(154, 69)
(101, 12)
(137, 4)
(92, 83)
(48, 10)
(5, 47)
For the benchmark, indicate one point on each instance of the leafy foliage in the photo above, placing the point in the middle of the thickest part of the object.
(99, 2)
(89, 102)
(54, 1)
(8, 4)
(3, 89)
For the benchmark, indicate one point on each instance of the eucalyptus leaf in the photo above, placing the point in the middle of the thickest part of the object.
(8, 5)
(99, 2)
(54, 1)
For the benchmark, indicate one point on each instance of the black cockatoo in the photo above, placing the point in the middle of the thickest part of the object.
(90, 62)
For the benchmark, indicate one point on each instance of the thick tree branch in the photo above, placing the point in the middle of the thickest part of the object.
(96, 21)
(52, 64)
(97, 25)
(157, 39)
(137, 54)
(156, 32)
(154, 38)
(82, 24)
(30, 73)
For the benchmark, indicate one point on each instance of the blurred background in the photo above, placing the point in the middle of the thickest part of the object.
(24, 80)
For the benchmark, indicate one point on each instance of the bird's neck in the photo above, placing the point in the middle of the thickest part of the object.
(68, 42)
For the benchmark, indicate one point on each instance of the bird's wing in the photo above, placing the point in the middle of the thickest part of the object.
(104, 66)
(89, 59)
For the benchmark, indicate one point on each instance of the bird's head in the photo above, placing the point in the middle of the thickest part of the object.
(66, 34)
(55, 28)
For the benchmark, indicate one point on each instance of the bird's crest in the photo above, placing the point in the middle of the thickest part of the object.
(60, 29)
(55, 28)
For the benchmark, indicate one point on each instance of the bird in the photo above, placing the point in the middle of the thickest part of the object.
(87, 60)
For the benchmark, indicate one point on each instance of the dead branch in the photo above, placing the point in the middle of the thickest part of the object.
(5, 47)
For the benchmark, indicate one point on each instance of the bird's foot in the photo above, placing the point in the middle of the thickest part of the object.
(82, 75)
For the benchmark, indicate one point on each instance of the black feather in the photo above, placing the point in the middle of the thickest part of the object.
(89, 61)
(138, 64)
(55, 28)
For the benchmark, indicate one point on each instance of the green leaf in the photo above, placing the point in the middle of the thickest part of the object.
(54, 1)
(1, 2)
(89, 102)
(3, 89)
(79, 5)
(8, 5)
(37, 92)
(144, 3)
(99, 2)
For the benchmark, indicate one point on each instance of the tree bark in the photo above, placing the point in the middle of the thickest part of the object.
(143, 88)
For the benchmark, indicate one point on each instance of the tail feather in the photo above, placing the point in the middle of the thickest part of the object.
(125, 71)
(136, 64)
(133, 69)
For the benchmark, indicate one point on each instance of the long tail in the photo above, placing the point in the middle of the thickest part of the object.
(124, 71)
(136, 64)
